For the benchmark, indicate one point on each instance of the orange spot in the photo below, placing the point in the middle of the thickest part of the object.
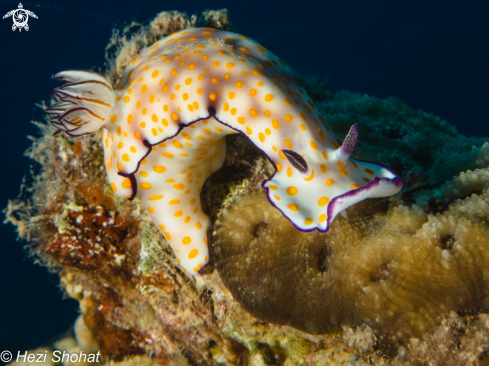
(177, 144)
(322, 218)
(155, 198)
(293, 207)
(311, 177)
(289, 172)
(281, 154)
(174, 116)
(329, 182)
(144, 89)
(313, 145)
(193, 253)
(146, 185)
(323, 201)
(231, 95)
(308, 221)
(253, 112)
(292, 191)
(369, 171)
(268, 97)
(212, 96)
(288, 118)
(125, 157)
(252, 92)
(126, 183)
(288, 143)
(186, 240)
(241, 120)
(179, 186)
(198, 225)
(275, 124)
(178, 213)
(159, 169)
(239, 84)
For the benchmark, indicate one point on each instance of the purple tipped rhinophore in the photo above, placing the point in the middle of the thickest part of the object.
(349, 143)
(296, 160)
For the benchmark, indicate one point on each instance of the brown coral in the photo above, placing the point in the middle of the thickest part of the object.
(386, 268)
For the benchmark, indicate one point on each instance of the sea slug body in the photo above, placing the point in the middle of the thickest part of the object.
(164, 126)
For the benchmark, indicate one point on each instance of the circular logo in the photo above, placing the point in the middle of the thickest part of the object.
(20, 18)
(6, 356)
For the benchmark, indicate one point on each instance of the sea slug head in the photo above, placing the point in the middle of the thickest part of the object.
(315, 182)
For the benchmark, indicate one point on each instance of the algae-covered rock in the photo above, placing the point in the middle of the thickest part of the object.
(396, 277)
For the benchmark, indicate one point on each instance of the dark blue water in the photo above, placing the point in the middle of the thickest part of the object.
(432, 54)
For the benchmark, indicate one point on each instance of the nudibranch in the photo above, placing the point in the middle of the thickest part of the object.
(165, 122)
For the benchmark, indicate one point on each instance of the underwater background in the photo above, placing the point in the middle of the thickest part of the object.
(432, 55)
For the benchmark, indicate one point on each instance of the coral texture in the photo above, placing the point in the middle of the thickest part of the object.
(140, 308)
(395, 268)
